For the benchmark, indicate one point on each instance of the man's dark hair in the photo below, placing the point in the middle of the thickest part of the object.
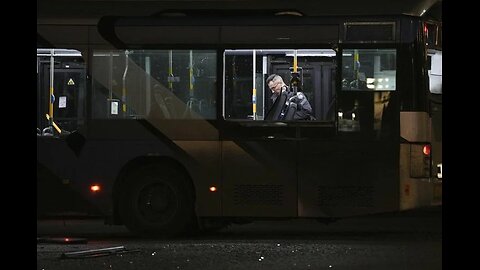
(271, 77)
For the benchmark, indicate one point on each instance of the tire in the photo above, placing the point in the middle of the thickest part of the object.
(156, 201)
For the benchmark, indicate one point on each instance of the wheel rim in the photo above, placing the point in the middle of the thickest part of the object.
(157, 203)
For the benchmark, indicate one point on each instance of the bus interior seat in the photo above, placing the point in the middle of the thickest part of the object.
(277, 107)
(48, 131)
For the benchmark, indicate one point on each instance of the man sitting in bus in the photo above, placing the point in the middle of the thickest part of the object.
(303, 108)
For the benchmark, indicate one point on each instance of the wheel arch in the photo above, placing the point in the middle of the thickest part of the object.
(144, 161)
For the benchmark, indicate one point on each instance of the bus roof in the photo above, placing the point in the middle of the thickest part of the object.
(90, 11)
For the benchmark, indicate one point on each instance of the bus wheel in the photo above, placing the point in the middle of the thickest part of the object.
(156, 200)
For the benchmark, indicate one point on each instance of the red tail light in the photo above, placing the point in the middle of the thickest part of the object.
(426, 150)
(95, 188)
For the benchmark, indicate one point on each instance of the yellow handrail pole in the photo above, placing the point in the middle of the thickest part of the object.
(294, 82)
(295, 65)
(53, 124)
(170, 70)
(355, 63)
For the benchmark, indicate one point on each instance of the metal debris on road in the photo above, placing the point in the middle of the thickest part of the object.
(92, 253)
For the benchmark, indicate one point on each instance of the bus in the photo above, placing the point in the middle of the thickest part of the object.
(163, 123)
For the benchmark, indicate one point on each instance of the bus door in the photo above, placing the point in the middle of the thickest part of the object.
(349, 166)
(55, 158)
(336, 169)
(434, 66)
(316, 145)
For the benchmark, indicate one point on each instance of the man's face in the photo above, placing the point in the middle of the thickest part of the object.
(275, 87)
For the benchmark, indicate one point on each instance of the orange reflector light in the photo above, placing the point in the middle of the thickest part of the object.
(213, 188)
(95, 188)
(426, 150)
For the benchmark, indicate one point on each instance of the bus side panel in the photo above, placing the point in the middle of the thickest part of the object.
(415, 191)
(102, 160)
(259, 178)
(204, 169)
(56, 189)
(437, 151)
(346, 178)
(118, 142)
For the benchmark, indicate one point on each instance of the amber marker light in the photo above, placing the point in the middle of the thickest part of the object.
(213, 188)
(95, 188)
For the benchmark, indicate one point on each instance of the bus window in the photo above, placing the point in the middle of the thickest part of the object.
(435, 71)
(248, 69)
(368, 79)
(61, 84)
(165, 84)
(433, 35)
(369, 69)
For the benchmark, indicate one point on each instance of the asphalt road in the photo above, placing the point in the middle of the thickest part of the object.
(409, 240)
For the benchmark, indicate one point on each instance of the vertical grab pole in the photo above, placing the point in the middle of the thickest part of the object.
(52, 97)
(262, 93)
(148, 89)
(295, 65)
(170, 70)
(191, 74)
(356, 63)
(295, 81)
(124, 88)
(110, 76)
(254, 91)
